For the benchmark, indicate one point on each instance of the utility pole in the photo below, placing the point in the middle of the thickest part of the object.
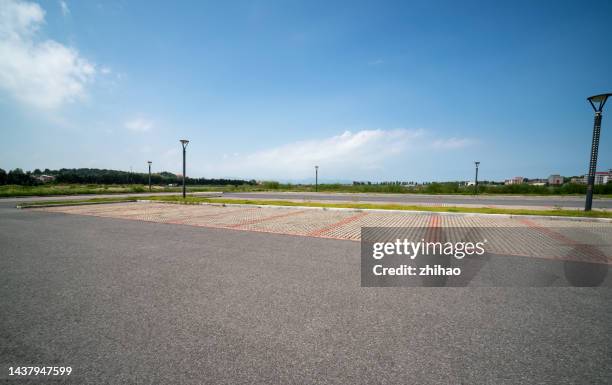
(149, 162)
(597, 102)
(476, 179)
(316, 178)
(184, 142)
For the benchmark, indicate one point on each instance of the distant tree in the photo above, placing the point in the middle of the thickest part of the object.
(18, 177)
(272, 185)
(37, 172)
(97, 176)
(3, 177)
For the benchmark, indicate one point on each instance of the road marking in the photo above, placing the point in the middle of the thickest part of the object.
(182, 221)
(434, 231)
(336, 225)
(259, 220)
(596, 255)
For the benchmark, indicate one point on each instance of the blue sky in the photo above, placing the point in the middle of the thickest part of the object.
(407, 90)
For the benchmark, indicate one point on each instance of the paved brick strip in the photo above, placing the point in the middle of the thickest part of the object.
(334, 226)
(259, 220)
(346, 225)
(594, 255)
(433, 232)
(184, 220)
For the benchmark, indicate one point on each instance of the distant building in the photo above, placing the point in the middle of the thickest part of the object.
(536, 182)
(45, 178)
(515, 180)
(555, 180)
(601, 177)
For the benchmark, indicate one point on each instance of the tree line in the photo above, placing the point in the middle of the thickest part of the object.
(104, 176)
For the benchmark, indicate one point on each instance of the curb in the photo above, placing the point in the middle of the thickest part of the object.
(419, 212)
(25, 205)
(71, 204)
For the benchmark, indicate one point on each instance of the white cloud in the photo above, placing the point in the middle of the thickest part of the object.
(19, 19)
(452, 143)
(138, 125)
(64, 7)
(348, 153)
(361, 154)
(44, 74)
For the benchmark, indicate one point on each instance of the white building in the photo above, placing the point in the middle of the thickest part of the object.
(555, 180)
(515, 180)
(45, 178)
(601, 177)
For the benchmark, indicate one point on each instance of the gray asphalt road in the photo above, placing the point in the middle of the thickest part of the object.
(131, 302)
(569, 201)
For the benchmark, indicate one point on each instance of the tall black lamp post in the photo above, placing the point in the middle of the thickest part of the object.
(476, 179)
(184, 142)
(316, 178)
(149, 162)
(597, 102)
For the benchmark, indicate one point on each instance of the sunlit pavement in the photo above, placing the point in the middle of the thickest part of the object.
(545, 234)
(129, 301)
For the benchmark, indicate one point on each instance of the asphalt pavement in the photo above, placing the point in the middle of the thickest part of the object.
(126, 301)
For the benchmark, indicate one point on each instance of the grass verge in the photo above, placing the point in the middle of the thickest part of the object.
(78, 189)
(386, 206)
(74, 202)
(366, 206)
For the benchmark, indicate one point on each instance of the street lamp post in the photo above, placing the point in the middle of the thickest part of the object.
(149, 162)
(476, 179)
(184, 142)
(316, 178)
(597, 102)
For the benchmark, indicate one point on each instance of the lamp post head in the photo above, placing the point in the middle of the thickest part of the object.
(477, 164)
(149, 162)
(317, 167)
(598, 101)
(184, 142)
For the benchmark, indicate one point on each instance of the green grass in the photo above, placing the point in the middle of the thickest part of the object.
(69, 202)
(80, 189)
(432, 188)
(375, 206)
(359, 206)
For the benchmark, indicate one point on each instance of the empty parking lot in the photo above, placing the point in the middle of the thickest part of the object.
(539, 241)
(124, 298)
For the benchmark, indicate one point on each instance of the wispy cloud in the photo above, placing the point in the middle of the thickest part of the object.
(452, 143)
(44, 74)
(139, 125)
(64, 7)
(375, 62)
(349, 154)
(349, 151)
